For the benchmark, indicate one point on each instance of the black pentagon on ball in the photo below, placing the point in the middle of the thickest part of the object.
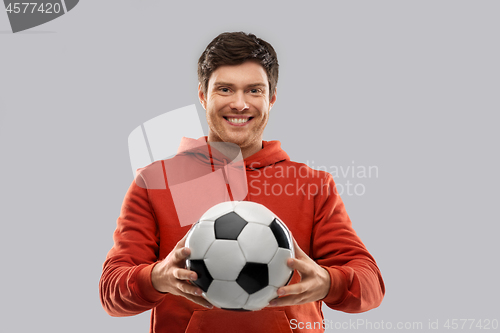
(229, 226)
(281, 234)
(204, 278)
(253, 277)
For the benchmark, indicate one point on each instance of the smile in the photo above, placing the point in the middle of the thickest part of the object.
(238, 121)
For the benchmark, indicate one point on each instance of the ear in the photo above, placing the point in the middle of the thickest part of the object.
(202, 97)
(273, 100)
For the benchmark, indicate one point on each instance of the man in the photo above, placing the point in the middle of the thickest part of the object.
(145, 269)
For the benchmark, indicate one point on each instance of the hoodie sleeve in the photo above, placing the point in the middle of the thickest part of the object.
(125, 286)
(336, 247)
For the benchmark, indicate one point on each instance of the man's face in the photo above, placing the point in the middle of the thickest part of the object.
(237, 104)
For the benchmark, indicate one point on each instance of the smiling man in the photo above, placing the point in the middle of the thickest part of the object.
(145, 269)
(238, 103)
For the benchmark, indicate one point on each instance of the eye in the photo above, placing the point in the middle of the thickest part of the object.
(224, 90)
(255, 91)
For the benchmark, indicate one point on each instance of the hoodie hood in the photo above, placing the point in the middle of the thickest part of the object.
(271, 153)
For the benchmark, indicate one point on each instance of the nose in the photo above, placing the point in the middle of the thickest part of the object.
(238, 102)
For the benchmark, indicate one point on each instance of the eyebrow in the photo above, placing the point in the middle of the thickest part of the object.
(219, 83)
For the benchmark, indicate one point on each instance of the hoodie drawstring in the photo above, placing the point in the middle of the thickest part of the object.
(226, 179)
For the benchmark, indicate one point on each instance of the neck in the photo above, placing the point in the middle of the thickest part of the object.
(245, 151)
(249, 151)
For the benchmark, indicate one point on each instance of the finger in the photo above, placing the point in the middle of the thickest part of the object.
(303, 266)
(288, 300)
(185, 274)
(293, 289)
(180, 255)
(199, 300)
(188, 288)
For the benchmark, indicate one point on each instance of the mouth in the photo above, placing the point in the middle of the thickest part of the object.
(238, 121)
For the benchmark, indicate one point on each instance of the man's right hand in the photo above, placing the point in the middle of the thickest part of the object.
(170, 276)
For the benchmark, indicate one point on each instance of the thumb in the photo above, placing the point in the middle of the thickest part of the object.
(182, 242)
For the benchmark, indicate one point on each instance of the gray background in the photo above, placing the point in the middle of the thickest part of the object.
(408, 86)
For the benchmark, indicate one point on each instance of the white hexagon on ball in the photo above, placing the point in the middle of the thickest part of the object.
(224, 259)
(261, 299)
(200, 239)
(279, 272)
(226, 294)
(254, 212)
(218, 210)
(258, 243)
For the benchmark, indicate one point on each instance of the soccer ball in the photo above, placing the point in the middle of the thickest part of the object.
(239, 250)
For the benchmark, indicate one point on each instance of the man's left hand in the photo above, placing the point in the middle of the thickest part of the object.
(314, 281)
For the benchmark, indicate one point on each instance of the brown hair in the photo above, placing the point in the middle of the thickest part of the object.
(234, 48)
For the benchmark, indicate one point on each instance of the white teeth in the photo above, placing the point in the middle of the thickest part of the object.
(238, 120)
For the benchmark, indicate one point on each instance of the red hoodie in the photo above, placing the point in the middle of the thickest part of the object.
(148, 228)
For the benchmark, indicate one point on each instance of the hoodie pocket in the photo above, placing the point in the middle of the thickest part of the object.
(222, 321)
